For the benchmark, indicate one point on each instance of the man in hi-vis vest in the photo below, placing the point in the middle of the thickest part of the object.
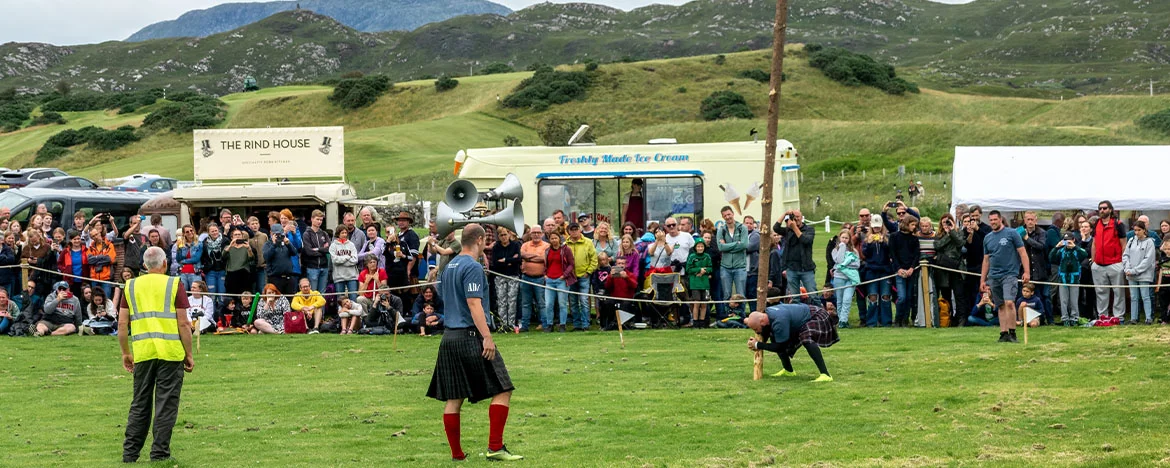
(153, 323)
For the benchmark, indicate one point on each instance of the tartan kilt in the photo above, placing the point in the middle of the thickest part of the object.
(461, 372)
(820, 330)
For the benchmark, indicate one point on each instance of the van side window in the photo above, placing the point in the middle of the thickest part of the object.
(121, 211)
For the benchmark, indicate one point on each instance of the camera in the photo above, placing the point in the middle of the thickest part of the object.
(892, 205)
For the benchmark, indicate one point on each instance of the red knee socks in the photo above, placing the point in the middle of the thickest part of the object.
(498, 415)
(451, 427)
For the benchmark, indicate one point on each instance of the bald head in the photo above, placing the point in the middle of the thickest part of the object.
(756, 321)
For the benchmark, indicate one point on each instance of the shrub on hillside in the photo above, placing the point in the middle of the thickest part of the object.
(355, 93)
(852, 69)
(591, 66)
(548, 87)
(97, 138)
(720, 59)
(725, 105)
(445, 83)
(191, 111)
(14, 113)
(48, 118)
(496, 68)
(557, 131)
(1159, 121)
(511, 140)
(760, 75)
(81, 102)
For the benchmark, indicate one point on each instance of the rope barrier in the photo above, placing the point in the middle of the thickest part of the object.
(654, 301)
(114, 283)
(1047, 283)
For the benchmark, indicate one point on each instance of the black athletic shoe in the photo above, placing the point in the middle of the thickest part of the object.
(1003, 337)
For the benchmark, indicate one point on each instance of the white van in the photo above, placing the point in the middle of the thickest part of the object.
(688, 180)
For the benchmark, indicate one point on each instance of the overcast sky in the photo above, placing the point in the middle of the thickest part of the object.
(67, 22)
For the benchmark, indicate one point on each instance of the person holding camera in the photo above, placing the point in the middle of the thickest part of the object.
(797, 239)
(948, 247)
(238, 262)
(278, 255)
(62, 311)
(901, 210)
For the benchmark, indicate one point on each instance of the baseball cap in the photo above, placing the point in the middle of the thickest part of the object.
(582, 217)
(875, 222)
(574, 226)
(60, 285)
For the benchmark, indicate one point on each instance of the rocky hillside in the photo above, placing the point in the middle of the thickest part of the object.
(990, 46)
(362, 15)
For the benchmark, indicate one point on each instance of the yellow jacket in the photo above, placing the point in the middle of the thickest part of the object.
(584, 256)
(314, 300)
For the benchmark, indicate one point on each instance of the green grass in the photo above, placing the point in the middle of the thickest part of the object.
(671, 398)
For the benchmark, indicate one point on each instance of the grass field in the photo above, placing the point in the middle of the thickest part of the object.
(905, 397)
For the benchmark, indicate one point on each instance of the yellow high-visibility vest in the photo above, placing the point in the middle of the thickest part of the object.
(154, 327)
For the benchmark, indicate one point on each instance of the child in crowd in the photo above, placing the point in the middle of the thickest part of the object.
(349, 311)
(621, 284)
(202, 308)
(597, 280)
(1030, 300)
(984, 314)
(1067, 257)
(736, 312)
(698, 271)
(428, 322)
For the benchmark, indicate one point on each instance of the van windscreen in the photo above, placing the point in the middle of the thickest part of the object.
(10, 199)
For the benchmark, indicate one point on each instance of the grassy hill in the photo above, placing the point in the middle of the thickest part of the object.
(407, 139)
(1006, 47)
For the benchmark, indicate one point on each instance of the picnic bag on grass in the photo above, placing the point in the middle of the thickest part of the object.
(294, 322)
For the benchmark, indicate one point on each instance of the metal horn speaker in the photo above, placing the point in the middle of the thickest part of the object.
(509, 190)
(447, 220)
(461, 196)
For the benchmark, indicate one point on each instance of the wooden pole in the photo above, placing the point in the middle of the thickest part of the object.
(621, 335)
(397, 317)
(779, 27)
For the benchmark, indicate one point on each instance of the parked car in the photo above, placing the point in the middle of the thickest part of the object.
(22, 177)
(62, 203)
(155, 184)
(65, 182)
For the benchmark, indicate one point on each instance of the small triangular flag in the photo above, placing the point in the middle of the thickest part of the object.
(625, 316)
(400, 319)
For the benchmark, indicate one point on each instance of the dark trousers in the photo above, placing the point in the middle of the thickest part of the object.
(286, 284)
(970, 297)
(161, 381)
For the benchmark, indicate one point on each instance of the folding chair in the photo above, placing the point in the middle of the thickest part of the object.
(664, 290)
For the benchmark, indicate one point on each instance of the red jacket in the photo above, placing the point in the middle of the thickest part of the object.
(566, 263)
(65, 264)
(1108, 242)
(623, 288)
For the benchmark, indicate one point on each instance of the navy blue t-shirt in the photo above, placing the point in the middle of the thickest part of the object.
(1000, 247)
(461, 280)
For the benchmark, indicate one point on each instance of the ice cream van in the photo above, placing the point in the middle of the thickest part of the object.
(638, 183)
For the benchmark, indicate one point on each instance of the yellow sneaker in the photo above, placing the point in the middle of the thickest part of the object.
(824, 378)
(784, 373)
(502, 455)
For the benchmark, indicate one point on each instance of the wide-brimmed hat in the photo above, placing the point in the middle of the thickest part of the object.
(404, 215)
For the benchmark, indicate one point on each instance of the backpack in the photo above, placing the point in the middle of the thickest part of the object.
(294, 323)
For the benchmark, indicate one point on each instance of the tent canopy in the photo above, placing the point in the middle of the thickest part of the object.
(1051, 178)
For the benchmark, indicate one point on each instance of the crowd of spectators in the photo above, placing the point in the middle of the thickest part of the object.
(242, 273)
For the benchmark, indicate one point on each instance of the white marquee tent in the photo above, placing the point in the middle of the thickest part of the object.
(1051, 178)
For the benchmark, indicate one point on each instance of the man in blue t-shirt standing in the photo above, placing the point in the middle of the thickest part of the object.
(468, 366)
(1003, 256)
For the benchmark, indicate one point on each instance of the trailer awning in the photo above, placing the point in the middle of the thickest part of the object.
(618, 175)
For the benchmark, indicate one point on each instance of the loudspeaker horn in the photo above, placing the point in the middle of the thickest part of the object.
(509, 190)
(447, 220)
(461, 196)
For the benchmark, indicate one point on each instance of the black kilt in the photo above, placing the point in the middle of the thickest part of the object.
(821, 330)
(461, 372)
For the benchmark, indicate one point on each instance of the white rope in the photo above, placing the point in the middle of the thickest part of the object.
(114, 283)
(1046, 283)
(654, 301)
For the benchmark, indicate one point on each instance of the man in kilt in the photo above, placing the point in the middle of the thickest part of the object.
(787, 327)
(468, 366)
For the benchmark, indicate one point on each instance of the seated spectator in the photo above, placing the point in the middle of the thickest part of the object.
(202, 308)
(428, 322)
(1030, 300)
(349, 311)
(386, 312)
(985, 313)
(431, 295)
(62, 312)
(311, 303)
(228, 310)
(8, 311)
(270, 312)
(369, 280)
(736, 313)
(102, 315)
(247, 310)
